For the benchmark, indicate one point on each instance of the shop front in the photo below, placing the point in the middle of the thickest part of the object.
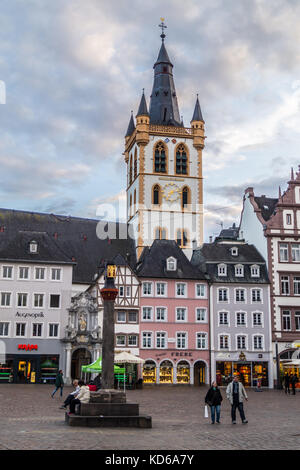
(248, 372)
(173, 371)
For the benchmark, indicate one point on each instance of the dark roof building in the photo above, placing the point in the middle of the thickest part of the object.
(62, 239)
(211, 255)
(153, 262)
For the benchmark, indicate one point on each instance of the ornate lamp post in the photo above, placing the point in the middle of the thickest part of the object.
(108, 294)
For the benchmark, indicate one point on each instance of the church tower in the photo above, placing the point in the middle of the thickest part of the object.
(164, 165)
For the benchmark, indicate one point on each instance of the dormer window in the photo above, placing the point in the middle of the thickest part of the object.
(239, 270)
(222, 270)
(171, 264)
(234, 251)
(33, 246)
(255, 271)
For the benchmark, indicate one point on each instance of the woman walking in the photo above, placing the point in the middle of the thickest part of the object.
(213, 399)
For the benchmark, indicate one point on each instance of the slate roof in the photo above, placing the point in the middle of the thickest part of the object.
(64, 239)
(152, 263)
(131, 127)
(143, 110)
(210, 255)
(267, 206)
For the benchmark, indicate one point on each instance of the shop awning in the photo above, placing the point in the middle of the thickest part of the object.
(97, 367)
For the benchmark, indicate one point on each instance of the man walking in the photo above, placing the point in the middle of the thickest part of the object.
(287, 383)
(294, 380)
(236, 393)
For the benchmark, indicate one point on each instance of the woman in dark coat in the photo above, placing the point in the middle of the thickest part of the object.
(213, 399)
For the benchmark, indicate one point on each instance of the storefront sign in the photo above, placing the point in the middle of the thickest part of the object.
(28, 347)
(30, 315)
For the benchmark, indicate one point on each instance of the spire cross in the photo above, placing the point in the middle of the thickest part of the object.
(162, 26)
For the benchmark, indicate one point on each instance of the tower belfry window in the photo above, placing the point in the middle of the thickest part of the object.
(181, 160)
(160, 158)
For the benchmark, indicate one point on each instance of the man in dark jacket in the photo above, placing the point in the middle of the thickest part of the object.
(294, 380)
(59, 383)
(213, 399)
(287, 383)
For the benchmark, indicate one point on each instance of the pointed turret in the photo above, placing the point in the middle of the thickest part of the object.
(197, 124)
(142, 122)
(163, 104)
(197, 116)
(143, 110)
(131, 126)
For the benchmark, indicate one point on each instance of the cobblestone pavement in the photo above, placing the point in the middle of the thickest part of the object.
(32, 420)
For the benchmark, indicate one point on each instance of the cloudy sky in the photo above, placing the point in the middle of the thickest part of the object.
(73, 71)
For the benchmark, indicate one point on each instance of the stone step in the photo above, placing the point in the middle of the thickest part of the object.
(140, 421)
(109, 409)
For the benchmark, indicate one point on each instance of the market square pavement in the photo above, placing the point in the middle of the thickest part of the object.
(32, 420)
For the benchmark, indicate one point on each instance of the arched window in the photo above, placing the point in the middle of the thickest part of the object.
(160, 233)
(182, 238)
(135, 165)
(130, 170)
(181, 160)
(156, 195)
(185, 197)
(134, 201)
(130, 205)
(160, 163)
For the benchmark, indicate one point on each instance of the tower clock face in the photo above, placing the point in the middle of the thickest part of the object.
(171, 192)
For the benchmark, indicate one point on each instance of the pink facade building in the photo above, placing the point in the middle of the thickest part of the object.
(174, 317)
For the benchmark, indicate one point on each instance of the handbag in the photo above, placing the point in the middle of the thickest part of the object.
(205, 411)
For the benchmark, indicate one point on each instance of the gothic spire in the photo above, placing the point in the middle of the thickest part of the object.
(163, 103)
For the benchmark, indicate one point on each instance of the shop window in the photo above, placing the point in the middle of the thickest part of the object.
(183, 372)
(6, 370)
(49, 368)
(166, 372)
(149, 372)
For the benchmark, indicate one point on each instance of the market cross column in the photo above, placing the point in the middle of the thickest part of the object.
(109, 294)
